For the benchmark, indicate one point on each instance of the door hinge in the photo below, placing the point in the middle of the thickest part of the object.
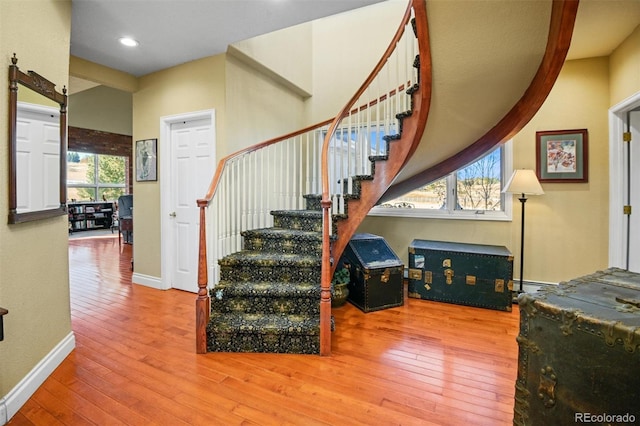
(626, 137)
(626, 209)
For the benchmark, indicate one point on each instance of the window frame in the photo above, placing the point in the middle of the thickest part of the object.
(96, 185)
(506, 214)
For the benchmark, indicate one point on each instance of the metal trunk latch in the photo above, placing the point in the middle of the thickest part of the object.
(385, 276)
(547, 386)
(415, 274)
(449, 274)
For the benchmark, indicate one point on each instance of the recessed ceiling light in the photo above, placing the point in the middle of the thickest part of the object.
(128, 41)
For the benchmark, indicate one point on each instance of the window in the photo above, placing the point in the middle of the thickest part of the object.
(472, 192)
(95, 176)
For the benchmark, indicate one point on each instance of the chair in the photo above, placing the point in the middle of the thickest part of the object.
(125, 218)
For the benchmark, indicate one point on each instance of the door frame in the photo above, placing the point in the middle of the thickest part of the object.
(167, 250)
(617, 181)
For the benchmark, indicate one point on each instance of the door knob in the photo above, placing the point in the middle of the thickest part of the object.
(173, 214)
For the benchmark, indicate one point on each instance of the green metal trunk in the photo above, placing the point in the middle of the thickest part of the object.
(464, 274)
(376, 273)
(579, 352)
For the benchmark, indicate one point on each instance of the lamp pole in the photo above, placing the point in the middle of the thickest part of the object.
(522, 182)
(523, 200)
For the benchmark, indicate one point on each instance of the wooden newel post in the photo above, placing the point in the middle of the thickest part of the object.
(325, 282)
(203, 306)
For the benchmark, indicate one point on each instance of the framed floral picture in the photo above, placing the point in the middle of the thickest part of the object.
(562, 156)
(146, 160)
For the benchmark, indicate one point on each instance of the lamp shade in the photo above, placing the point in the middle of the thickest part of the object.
(523, 181)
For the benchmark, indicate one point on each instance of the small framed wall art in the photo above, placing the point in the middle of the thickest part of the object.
(146, 160)
(562, 156)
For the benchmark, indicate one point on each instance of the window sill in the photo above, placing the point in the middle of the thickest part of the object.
(439, 214)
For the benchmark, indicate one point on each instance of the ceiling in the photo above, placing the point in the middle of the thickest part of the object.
(172, 32)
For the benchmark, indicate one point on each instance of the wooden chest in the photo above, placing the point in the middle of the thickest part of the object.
(465, 274)
(579, 352)
(376, 273)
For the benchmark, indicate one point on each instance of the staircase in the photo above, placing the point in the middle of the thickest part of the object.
(268, 297)
(279, 230)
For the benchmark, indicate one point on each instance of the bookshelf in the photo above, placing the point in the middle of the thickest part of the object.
(90, 215)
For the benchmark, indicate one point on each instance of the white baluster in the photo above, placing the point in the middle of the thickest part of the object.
(287, 175)
(263, 173)
(226, 214)
(233, 207)
(369, 135)
(378, 122)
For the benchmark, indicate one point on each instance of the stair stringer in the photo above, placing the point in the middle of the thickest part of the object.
(398, 152)
(563, 16)
(400, 149)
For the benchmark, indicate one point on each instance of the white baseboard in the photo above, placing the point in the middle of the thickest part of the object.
(148, 281)
(11, 403)
(532, 286)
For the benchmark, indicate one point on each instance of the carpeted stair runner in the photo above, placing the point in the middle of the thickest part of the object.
(268, 297)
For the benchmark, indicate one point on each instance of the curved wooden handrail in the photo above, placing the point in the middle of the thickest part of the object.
(563, 14)
(386, 171)
(215, 181)
(349, 105)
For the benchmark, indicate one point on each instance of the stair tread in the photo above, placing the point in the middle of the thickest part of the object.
(276, 289)
(270, 259)
(264, 323)
(309, 213)
(279, 232)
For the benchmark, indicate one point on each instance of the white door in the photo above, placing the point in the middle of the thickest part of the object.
(37, 148)
(192, 165)
(633, 231)
(624, 185)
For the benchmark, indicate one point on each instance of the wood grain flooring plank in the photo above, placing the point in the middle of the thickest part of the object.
(423, 363)
(32, 413)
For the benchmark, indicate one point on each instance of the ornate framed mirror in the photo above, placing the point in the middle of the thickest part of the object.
(37, 147)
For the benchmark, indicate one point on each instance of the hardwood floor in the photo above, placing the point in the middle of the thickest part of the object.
(424, 363)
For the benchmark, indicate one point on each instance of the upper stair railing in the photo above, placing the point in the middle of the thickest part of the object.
(330, 158)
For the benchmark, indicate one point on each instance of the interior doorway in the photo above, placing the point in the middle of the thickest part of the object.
(188, 162)
(624, 185)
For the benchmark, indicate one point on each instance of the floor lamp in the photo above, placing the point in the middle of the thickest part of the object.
(523, 182)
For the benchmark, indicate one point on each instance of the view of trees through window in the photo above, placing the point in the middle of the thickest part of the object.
(95, 176)
(479, 184)
(474, 187)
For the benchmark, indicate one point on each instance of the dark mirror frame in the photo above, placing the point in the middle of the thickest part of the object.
(44, 87)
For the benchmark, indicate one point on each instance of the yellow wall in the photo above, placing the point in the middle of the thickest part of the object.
(625, 69)
(336, 75)
(102, 108)
(34, 274)
(566, 229)
(292, 64)
(100, 74)
(258, 108)
(194, 86)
